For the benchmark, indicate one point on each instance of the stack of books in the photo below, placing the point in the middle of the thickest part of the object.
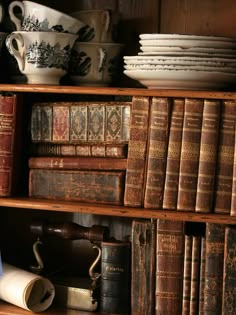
(79, 151)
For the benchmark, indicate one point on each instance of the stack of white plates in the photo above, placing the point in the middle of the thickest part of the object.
(183, 62)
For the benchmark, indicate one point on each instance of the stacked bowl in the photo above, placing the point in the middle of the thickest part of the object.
(42, 41)
(174, 61)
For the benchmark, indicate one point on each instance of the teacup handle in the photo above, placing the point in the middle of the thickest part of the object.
(12, 15)
(1, 12)
(16, 52)
(105, 20)
(102, 59)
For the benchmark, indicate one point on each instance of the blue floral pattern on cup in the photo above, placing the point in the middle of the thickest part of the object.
(43, 55)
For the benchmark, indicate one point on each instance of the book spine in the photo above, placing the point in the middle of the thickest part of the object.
(137, 149)
(233, 196)
(169, 267)
(91, 150)
(208, 155)
(41, 123)
(115, 278)
(106, 187)
(229, 272)
(215, 234)
(224, 170)
(157, 151)
(77, 163)
(61, 124)
(10, 116)
(189, 158)
(194, 290)
(78, 122)
(202, 276)
(187, 274)
(173, 155)
(143, 268)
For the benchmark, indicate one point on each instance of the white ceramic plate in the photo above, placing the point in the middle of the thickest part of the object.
(182, 79)
(179, 67)
(188, 53)
(184, 36)
(180, 60)
(197, 49)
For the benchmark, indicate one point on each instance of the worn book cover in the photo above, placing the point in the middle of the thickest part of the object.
(188, 240)
(169, 267)
(76, 163)
(88, 150)
(156, 151)
(215, 238)
(195, 274)
(93, 186)
(190, 151)
(143, 266)
(229, 272)
(202, 276)
(10, 144)
(78, 122)
(208, 156)
(173, 155)
(233, 195)
(137, 150)
(115, 278)
(225, 160)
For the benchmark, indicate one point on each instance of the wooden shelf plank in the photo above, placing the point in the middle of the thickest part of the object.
(60, 89)
(9, 309)
(64, 206)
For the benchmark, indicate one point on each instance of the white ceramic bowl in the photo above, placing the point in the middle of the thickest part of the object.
(182, 79)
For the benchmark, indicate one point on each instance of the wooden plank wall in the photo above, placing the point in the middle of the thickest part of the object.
(208, 17)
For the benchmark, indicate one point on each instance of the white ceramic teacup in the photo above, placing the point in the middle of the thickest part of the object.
(38, 17)
(43, 57)
(98, 25)
(95, 64)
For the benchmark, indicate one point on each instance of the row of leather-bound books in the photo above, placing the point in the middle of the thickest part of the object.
(152, 152)
(184, 268)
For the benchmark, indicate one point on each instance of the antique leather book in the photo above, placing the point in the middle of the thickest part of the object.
(225, 161)
(202, 276)
(189, 158)
(233, 196)
(10, 144)
(78, 122)
(115, 278)
(143, 266)
(195, 268)
(93, 186)
(76, 163)
(169, 267)
(173, 155)
(188, 240)
(208, 156)
(229, 272)
(89, 150)
(215, 238)
(137, 149)
(156, 152)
